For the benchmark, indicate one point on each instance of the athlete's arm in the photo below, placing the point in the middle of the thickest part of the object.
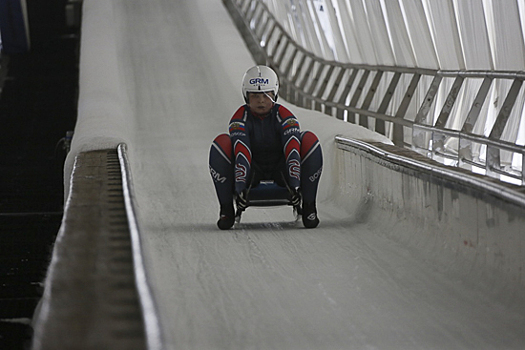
(242, 155)
(291, 145)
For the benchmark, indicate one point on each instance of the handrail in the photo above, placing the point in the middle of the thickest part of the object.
(350, 92)
(505, 192)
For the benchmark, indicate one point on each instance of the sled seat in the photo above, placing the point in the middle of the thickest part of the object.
(267, 193)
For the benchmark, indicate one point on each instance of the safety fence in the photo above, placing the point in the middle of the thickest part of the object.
(411, 106)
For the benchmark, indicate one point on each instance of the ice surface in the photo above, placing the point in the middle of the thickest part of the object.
(164, 77)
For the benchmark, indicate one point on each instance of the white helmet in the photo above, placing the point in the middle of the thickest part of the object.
(260, 79)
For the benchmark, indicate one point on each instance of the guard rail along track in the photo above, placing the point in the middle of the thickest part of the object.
(411, 106)
(96, 293)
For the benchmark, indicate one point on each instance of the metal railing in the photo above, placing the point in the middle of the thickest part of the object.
(412, 106)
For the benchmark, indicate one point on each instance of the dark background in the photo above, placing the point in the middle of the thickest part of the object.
(38, 105)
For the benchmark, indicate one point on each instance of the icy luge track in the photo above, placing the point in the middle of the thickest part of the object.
(93, 298)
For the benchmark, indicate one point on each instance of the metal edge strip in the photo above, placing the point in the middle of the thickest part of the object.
(153, 331)
(495, 189)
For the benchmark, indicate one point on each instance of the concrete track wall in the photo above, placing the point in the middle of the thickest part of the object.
(469, 225)
(104, 114)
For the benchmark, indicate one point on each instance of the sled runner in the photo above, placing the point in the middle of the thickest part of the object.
(268, 194)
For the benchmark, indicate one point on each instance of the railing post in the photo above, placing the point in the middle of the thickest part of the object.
(419, 137)
(333, 91)
(398, 134)
(322, 88)
(429, 99)
(357, 94)
(380, 124)
(363, 119)
(346, 91)
(475, 110)
(493, 153)
(449, 103)
(523, 168)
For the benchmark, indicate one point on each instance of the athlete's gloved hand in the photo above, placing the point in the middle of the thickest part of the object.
(296, 197)
(242, 200)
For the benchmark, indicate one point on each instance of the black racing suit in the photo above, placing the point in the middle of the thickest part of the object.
(265, 147)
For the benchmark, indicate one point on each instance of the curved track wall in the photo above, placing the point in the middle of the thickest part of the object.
(469, 224)
(103, 111)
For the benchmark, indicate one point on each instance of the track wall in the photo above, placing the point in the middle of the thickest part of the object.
(468, 224)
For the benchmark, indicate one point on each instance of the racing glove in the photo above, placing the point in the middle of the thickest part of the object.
(242, 200)
(295, 197)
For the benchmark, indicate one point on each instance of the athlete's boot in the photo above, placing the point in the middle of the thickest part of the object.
(310, 219)
(227, 217)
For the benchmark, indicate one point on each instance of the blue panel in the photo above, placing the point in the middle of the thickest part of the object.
(12, 27)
